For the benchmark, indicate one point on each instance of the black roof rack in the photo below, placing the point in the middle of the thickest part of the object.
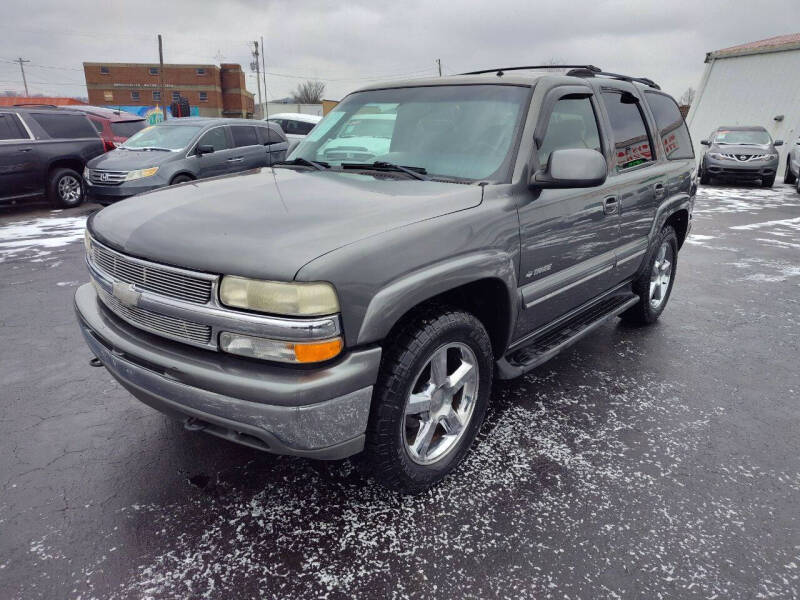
(39, 104)
(583, 72)
(500, 71)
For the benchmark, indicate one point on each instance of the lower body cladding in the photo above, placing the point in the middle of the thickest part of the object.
(320, 413)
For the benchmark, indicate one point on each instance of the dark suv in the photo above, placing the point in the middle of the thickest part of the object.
(43, 150)
(740, 154)
(329, 308)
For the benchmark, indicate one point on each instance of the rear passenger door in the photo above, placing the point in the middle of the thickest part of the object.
(633, 181)
(249, 153)
(19, 171)
(568, 236)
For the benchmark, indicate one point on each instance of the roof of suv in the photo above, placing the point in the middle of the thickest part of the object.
(107, 113)
(39, 108)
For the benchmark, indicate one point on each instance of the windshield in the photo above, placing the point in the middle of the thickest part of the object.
(167, 137)
(742, 136)
(459, 131)
(127, 128)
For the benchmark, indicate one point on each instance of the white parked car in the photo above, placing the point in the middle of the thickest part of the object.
(296, 126)
(363, 139)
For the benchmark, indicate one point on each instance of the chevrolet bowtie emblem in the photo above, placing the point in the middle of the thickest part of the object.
(126, 293)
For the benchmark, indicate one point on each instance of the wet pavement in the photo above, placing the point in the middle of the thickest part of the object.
(643, 463)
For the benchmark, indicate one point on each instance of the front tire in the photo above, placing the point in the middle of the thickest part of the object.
(704, 177)
(65, 188)
(180, 179)
(430, 399)
(768, 182)
(654, 284)
(789, 177)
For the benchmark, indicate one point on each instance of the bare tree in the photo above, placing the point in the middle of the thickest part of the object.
(552, 64)
(687, 97)
(309, 92)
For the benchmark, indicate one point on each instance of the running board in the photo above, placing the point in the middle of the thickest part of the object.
(552, 342)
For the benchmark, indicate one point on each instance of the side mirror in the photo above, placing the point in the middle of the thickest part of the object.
(205, 149)
(572, 168)
(705, 143)
(777, 143)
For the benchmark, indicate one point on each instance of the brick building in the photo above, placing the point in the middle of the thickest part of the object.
(216, 91)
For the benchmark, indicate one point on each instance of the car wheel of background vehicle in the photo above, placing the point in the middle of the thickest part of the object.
(654, 284)
(180, 179)
(430, 399)
(789, 177)
(704, 178)
(768, 182)
(798, 185)
(65, 188)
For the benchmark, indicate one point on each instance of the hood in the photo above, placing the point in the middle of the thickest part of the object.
(129, 160)
(742, 148)
(268, 223)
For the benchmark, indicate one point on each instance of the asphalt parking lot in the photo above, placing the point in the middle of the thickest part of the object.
(643, 463)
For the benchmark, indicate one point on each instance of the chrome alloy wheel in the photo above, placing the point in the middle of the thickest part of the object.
(69, 189)
(661, 275)
(440, 406)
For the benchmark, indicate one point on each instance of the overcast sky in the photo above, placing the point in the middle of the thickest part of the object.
(347, 44)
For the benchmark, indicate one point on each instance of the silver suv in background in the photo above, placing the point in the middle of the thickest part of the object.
(792, 175)
(740, 154)
(181, 150)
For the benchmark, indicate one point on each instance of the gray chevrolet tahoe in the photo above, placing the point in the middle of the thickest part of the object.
(327, 309)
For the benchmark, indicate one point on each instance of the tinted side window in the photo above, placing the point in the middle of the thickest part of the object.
(572, 124)
(126, 128)
(303, 128)
(215, 137)
(11, 128)
(244, 135)
(671, 127)
(97, 124)
(632, 144)
(65, 126)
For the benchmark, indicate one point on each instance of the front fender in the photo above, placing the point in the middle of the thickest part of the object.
(403, 294)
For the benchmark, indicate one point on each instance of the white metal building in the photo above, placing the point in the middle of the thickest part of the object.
(751, 84)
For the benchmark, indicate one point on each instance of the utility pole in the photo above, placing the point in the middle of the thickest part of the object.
(22, 68)
(161, 75)
(258, 74)
(264, 75)
(439, 64)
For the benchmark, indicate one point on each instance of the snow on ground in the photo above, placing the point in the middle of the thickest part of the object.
(37, 239)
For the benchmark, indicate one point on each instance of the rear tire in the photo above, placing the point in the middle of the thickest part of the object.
(180, 179)
(65, 188)
(789, 177)
(768, 182)
(654, 284)
(430, 399)
(704, 177)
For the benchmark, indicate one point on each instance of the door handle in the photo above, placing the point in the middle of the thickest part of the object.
(661, 191)
(238, 159)
(24, 150)
(610, 205)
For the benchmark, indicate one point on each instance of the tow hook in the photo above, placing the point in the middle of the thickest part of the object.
(95, 362)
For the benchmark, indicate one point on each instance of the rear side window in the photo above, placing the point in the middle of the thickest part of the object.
(97, 124)
(572, 124)
(632, 145)
(267, 135)
(11, 128)
(215, 137)
(126, 128)
(64, 126)
(672, 128)
(244, 135)
(298, 127)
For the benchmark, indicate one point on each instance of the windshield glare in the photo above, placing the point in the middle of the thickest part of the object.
(742, 137)
(169, 137)
(458, 131)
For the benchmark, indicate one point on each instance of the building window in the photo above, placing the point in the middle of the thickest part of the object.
(176, 96)
(200, 71)
(135, 96)
(153, 70)
(108, 96)
(103, 70)
(156, 96)
(203, 96)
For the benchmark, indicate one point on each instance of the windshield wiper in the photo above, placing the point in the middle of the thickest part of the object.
(149, 148)
(415, 172)
(319, 166)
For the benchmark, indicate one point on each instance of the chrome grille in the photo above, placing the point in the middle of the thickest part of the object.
(150, 277)
(102, 177)
(744, 157)
(171, 327)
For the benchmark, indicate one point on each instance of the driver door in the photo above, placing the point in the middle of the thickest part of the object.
(214, 163)
(568, 236)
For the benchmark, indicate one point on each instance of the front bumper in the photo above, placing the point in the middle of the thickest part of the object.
(731, 169)
(108, 194)
(320, 413)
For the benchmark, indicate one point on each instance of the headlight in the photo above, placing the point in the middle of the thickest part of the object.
(293, 299)
(139, 173)
(716, 156)
(86, 173)
(279, 350)
(770, 156)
